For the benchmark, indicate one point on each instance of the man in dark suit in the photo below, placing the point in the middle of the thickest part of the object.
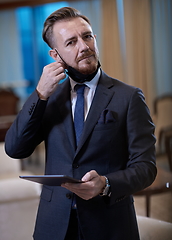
(114, 155)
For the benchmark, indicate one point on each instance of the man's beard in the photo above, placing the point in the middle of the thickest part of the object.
(78, 76)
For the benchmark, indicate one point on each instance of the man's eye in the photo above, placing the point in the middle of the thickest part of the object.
(70, 43)
(88, 36)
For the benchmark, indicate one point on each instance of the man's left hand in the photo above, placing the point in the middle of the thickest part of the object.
(92, 186)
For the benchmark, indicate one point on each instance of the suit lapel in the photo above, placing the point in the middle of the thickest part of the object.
(64, 103)
(102, 97)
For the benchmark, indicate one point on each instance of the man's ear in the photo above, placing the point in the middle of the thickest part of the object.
(54, 54)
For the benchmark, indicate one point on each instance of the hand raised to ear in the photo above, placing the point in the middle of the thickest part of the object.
(51, 76)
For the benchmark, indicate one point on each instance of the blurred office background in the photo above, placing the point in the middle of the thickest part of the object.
(135, 42)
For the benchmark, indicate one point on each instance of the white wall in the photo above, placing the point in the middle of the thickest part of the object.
(11, 74)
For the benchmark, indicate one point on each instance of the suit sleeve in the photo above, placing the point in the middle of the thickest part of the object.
(26, 131)
(140, 170)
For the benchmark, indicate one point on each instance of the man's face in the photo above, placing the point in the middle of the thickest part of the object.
(76, 44)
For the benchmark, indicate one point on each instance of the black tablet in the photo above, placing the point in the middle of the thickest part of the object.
(51, 180)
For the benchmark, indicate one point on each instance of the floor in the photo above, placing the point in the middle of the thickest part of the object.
(161, 204)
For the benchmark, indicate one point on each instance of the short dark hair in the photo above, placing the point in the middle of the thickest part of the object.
(65, 13)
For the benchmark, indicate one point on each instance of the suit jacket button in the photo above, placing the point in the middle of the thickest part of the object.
(75, 165)
(68, 195)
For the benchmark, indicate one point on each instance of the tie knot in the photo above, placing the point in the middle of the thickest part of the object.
(80, 88)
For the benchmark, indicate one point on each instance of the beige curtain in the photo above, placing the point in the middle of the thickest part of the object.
(136, 67)
(111, 53)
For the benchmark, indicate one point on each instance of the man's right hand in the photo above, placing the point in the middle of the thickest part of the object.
(51, 76)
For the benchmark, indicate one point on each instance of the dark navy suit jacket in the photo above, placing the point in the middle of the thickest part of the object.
(117, 141)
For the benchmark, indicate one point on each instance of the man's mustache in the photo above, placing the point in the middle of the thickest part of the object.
(85, 55)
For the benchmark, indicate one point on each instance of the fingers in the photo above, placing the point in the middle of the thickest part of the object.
(92, 186)
(83, 190)
(89, 175)
(51, 75)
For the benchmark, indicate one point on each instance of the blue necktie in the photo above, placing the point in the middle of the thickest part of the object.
(78, 119)
(79, 111)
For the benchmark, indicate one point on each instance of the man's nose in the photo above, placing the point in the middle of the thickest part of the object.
(83, 46)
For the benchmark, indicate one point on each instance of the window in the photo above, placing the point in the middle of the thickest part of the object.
(34, 50)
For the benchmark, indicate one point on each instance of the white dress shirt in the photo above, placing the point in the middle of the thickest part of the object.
(88, 93)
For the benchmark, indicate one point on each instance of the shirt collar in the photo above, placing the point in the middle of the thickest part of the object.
(91, 84)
